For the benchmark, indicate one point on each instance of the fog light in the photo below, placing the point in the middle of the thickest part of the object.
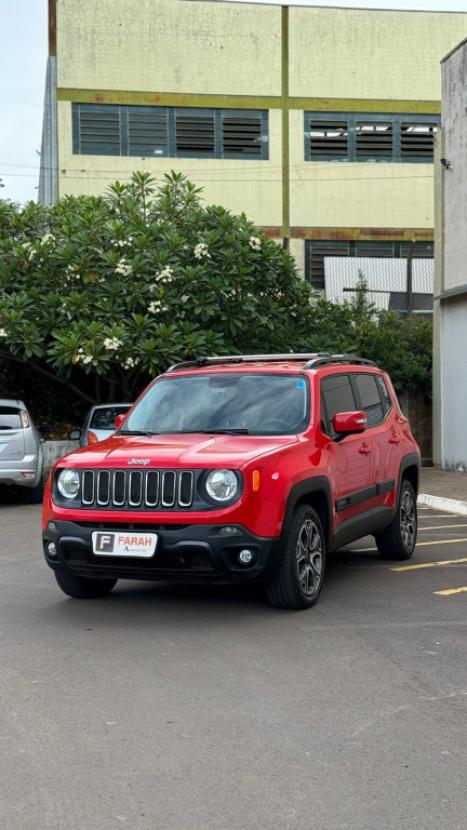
(245, 557)
(52, 549)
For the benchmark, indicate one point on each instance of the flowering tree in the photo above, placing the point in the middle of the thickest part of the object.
(99, 293)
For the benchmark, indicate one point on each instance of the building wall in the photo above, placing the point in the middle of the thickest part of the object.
(185, 53)
(169, 46)
(450, 334)
(358, 53)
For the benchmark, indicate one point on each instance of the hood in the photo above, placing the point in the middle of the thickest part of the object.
(178, 451)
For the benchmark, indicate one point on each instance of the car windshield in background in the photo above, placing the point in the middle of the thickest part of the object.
(9, 418)
(105, 418)
(253, 404)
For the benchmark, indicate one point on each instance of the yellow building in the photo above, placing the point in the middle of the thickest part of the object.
(317, 122)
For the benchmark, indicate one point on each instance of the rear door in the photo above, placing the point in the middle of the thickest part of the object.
(373, 399)
(350, 460)
(11, 434)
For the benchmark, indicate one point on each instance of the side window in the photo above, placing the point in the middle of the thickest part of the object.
(337, 394)
(370, 399)
(384, 393)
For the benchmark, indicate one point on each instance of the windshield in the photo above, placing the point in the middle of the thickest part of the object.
(254, 404)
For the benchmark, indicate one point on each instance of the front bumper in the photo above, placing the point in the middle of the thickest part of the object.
(189, 553)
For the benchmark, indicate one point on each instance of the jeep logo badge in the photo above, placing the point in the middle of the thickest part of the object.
(143, 462)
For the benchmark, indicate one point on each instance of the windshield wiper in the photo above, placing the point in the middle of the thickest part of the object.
(145, 432)
(220, 431)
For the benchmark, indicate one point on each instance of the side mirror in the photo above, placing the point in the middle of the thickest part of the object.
(348, 422)
(119, 421)
(75, 435)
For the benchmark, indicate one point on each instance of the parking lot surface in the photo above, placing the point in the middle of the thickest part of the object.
(193, 708)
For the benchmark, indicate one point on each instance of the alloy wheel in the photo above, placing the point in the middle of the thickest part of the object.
(408, 519)
(309, 558)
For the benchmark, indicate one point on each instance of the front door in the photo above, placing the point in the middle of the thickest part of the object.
(350, 459)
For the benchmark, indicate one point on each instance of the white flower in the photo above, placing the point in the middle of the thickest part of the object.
(201, 251)
(184, 298)
(86, 359)
(130, 363)
(155, 306)
(112, 344)
(123, 267)
(48, 237)
(166, 275)
(255, 243)
(3, 333)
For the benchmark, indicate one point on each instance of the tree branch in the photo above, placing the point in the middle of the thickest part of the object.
(50, 375)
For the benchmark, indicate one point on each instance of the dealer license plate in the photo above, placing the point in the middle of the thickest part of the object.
(137, 545)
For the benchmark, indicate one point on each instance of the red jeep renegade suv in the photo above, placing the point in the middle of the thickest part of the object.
(238, 468)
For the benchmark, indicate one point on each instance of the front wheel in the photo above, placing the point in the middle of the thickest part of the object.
(298, 581)
(398, 541)
(83, 587)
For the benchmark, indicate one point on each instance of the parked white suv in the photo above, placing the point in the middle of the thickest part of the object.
(21, 455)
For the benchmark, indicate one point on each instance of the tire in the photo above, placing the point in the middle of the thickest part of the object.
(298, 581)
(83, 587)
(398, 541)
(36, 495)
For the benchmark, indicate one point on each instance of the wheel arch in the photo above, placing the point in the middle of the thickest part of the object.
(315, 492)
(410, 470)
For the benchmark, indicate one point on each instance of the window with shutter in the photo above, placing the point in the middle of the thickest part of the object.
(329, 140)
(374, 140)
(148, 131)
(363, 137)
(96, 129)
(317, 250)
(194, 133)
(417, 140)
(241, 135)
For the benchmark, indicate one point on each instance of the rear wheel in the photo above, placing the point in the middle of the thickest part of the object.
(400, 537)
(299, 578)
(83, 587)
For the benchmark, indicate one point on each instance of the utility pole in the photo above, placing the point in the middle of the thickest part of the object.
(409, 290)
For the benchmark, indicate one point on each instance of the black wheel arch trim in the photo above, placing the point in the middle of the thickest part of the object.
(310, 487)
(410, 460)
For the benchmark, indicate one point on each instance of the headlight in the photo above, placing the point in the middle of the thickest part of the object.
(221, 485)
(68, 483)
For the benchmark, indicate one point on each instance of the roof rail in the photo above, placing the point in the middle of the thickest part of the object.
(329, 359)
(200, 362)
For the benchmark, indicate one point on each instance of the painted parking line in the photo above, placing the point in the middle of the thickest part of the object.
(440, 527)
(449, 592)
(440, 516)
(419, 545)
(439, 564)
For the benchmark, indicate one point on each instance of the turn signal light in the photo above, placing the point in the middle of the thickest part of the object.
(255, 480)
(92, 438)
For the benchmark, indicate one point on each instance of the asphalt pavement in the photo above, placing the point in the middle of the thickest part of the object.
(193, 708)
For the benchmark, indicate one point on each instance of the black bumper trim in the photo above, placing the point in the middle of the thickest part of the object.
(187, 553)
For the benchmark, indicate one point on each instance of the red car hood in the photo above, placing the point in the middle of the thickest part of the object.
(179, 451)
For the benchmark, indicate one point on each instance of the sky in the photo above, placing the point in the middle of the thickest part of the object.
(23, 55)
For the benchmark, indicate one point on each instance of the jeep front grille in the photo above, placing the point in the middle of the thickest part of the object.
(146, 489)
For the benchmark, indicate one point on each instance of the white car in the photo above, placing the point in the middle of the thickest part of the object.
(21, 454)
(99, 423)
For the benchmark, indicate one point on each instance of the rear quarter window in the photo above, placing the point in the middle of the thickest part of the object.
(370, 398)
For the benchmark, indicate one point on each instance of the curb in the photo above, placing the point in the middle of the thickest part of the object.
(442, 503)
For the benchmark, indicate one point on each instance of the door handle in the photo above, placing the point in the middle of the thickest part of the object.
(394, 439)
(365, 449)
